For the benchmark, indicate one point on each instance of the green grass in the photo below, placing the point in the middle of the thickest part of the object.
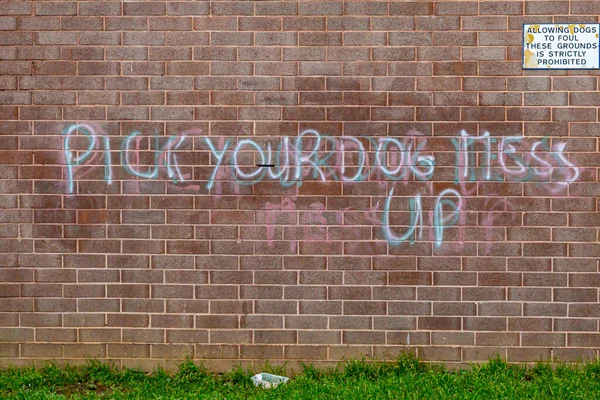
(405, 379)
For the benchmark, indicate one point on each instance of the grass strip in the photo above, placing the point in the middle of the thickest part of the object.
(407, 378)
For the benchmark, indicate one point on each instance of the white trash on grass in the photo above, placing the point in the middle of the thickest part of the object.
(268, 380)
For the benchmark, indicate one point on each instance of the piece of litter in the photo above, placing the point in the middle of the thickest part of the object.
(268, 380)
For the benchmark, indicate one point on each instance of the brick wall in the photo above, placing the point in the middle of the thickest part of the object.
(294, 181)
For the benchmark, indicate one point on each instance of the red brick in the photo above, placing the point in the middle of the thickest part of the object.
(112, 260)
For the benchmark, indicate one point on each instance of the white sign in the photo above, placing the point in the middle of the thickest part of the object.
(561, 46)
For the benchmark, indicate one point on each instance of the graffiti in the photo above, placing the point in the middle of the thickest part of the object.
(162, 155)
(327, 158)
(416, 215)
(72, 160)
(312, 156)
(519, 166)
(219, 156)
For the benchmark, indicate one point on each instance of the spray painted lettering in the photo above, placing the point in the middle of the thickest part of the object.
(314, 156)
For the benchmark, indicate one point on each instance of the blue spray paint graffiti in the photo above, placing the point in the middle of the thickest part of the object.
(344, 158)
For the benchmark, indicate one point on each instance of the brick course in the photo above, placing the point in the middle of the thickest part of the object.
(102, 257)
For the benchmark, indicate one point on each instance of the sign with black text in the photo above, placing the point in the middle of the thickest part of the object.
(561, 46)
